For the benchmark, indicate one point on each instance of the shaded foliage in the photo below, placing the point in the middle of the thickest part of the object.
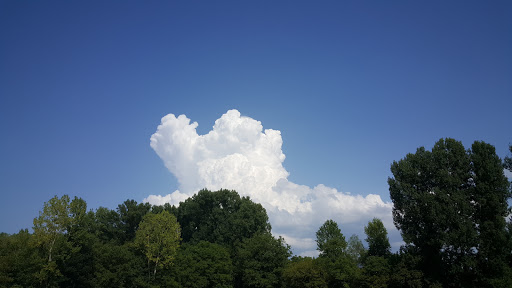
(304, 272)
(221, 217)
(377, 238)
(260, 260)
(451, 204)
(204, 264)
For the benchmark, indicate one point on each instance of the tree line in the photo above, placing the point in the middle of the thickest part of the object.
(450, 205)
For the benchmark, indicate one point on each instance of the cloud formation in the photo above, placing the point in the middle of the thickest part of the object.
(238, 154)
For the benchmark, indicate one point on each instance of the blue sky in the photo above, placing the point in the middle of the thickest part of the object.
(351, 85)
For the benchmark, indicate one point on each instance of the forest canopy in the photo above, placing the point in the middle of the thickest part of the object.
(450, 206)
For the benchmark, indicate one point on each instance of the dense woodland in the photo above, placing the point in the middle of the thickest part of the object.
(450, 205)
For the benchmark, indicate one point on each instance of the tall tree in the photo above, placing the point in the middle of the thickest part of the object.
(159, 236)
(377, 238)
(376, 271)
(355, 249)
(341, 269)
(490, 194)
(330, 241)
(447, 203)
(49, 229)
(78, 265)
(52, 222)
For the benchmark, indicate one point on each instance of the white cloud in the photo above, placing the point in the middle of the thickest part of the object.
(508, 174)
(238, 154)
(174, 198)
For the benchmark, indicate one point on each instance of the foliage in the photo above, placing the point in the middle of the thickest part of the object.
(376, 272)
(304, 272)
(130, 215)
(221, 217)
(158, 236)
(108, 227)
(377, 238)
(52, 222)
(341, 268)
(355, 249)
(405, 268)
(260, 260)
(19, 260)
(451, 204)
(118, 266)
(330, 241)
(490, 194)
(204, 264)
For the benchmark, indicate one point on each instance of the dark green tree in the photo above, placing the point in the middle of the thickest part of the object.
(119, 266)
(490, 191)
(376, 272)
(77, 267)
(330, 241)
(108, 226)
(203, 265)
(406, 268)
(221, 217)
(304, 272)
(19, 260)
(260, 260)
(447, 203)
(130, 215)
(377, 238)
(341, 269)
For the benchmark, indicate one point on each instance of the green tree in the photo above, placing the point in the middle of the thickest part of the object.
(52, 223)
(77, 267)
(405, 268)
(130, 215)
(204, 265)
(49, 229)
(108, 226)
(158, 236)
(260, 260)
(304, 272)
(447, 203)
(377, 238)
(490, 194)
(221, 217)
(118, 266)
(355, 249)
(19, 260)
(340, 267)
(376, 272)
(330, 241)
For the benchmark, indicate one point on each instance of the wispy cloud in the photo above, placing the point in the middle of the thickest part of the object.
(238, 154)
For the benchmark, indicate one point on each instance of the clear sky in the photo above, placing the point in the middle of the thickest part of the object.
(351, 86)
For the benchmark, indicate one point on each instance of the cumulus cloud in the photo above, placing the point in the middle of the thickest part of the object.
(175, 199)
(238, 154)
